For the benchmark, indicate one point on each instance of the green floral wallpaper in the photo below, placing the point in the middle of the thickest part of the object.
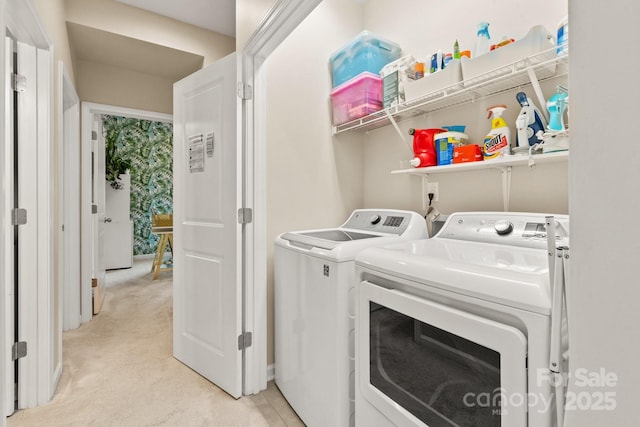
(149, 147)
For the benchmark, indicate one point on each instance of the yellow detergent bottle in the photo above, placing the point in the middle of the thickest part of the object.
(498, 142)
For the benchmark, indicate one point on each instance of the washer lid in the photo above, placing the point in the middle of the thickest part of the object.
(337, 235)
(326, 239)
(512, 276)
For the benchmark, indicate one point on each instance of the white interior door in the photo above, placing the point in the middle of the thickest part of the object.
(207, 284)
(98, 177)
(8, 245)
(27, 198)
(22, 251)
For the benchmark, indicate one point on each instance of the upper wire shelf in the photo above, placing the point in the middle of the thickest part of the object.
(544, 65)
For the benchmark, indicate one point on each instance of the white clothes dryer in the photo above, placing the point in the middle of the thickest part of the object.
(315, 314)
(455, 330)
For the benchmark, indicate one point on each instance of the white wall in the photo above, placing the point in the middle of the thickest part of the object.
(604, 205)
(421, 27)
(249, 14)
(313, 180)
(105, 84)
(51, 12)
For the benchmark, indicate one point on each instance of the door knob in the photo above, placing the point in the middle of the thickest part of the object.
(107, 220)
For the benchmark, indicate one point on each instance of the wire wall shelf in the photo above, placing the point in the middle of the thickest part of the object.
(542, 66)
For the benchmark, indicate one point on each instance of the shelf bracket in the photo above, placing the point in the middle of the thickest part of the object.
(535, 84)
(397, 128)
(423, 196)
(506, 187)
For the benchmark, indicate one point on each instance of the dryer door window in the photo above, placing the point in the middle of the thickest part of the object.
(433, 374)
(438, 366)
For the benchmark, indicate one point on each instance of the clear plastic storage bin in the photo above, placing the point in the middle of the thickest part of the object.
(367, 52)
(356, 98)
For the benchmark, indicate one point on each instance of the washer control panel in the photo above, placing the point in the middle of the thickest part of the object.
(381, 221)
(508, 228)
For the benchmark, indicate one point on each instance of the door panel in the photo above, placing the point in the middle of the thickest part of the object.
(8, 247)
(99, 271)
(207, 236)
(27, 188)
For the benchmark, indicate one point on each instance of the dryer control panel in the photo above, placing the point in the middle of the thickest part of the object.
(381, 221)
(507, 228)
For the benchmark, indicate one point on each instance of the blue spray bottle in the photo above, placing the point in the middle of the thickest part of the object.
(530, 124)
(482, 42)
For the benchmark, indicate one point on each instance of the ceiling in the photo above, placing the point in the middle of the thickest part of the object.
(93, 45)
(214, 15)
(102, 47)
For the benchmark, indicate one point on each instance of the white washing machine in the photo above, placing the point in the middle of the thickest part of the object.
(455, 330)
(314, 310)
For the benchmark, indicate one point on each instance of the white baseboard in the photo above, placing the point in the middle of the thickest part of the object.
(271, 372)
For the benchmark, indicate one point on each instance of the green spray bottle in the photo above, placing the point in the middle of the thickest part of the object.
(498, 141)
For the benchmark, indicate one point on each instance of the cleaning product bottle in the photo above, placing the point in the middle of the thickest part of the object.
(498, 141)
(557, 105)
(436, 62)
(456, 50)
(563, 37)
(530, 124)
(424, 148)
(482, 42)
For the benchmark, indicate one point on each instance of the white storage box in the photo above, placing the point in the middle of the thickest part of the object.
(431, 83)
(499, 61)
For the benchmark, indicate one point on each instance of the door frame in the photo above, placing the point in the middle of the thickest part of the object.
(277, 25)
(3, 229)
(89, 110)
(69, 254)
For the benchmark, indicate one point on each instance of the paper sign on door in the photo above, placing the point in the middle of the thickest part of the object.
(210, 144)
(196, 153)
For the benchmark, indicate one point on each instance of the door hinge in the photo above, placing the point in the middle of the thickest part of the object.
(244, 340)
(94, 135)
(94, 209)
(19, 350)
(19, 83)
(245, 215)
(245, 91)
(19, 216)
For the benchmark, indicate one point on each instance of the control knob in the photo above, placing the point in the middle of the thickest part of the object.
(503, 227)
(374, 219)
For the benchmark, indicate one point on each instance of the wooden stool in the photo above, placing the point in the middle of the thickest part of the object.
(162, 224)
(166, 238)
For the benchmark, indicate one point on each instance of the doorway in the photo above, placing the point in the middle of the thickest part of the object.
(92, 115)
(139, 173)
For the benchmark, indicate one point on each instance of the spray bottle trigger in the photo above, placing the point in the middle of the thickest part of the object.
(522, 99)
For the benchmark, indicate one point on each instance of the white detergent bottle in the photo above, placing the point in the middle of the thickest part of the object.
(497, 143)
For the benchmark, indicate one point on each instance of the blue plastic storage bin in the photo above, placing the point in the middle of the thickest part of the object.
(367, 52)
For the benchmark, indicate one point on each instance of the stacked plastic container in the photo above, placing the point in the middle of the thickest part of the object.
(357, 85)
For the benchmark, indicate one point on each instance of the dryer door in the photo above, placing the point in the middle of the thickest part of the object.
(422, 363)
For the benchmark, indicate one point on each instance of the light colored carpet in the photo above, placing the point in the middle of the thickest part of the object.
(118, 370)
